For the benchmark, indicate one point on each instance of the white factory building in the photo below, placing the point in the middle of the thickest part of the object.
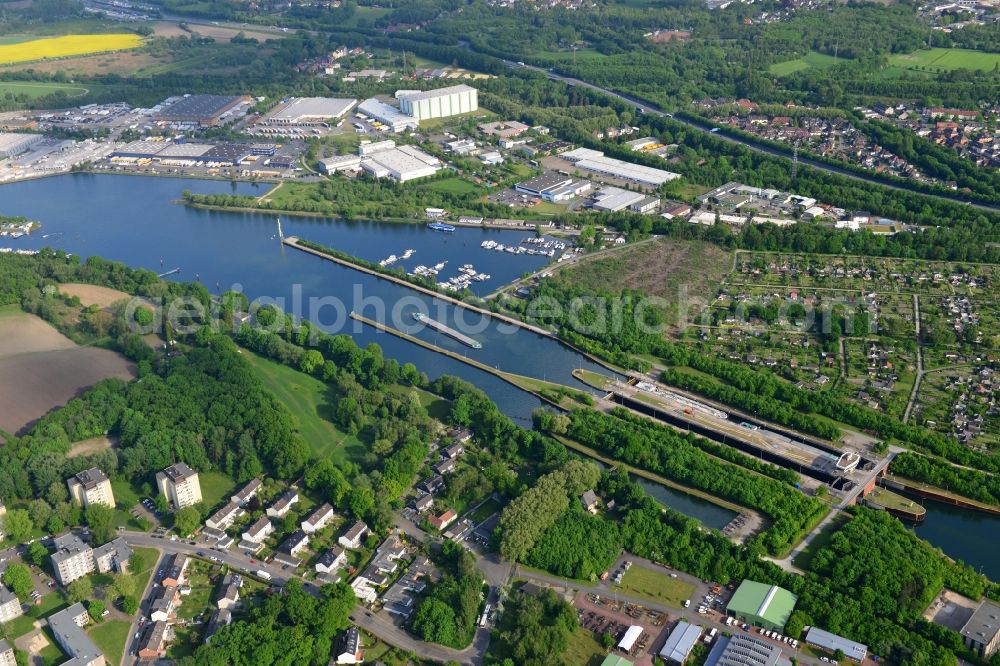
(390, 116)
(309, 110)
(596, 161)
(15, 144)
(401, 163)
(439, 103)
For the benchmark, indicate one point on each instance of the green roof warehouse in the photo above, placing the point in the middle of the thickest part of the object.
(762, 605)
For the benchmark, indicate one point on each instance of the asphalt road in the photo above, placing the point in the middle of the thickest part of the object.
(648, 108)
(379, 624)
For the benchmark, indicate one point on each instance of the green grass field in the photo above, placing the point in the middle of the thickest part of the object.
(110, 636)
(148, 556)
(946, 59)
(306, 398)
(583, 650)
(811, 59)
(51, 654)
(19, 626)
(215, 486)
(485, 510)
(455, 185)
(35, 90)
(656, 585)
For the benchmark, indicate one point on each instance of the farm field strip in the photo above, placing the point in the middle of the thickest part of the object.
(67, 45)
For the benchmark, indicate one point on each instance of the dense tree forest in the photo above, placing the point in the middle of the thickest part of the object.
(638, 441)
(290, 628)
(971, 483)
(856, 587)
(869, 582)
(449, 612)
(534, 630)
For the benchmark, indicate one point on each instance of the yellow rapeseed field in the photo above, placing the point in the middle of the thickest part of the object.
(67, 45)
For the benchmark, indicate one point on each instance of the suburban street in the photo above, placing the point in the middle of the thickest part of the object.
(378, 624)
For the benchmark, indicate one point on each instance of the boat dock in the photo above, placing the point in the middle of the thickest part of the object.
(450, 332)
(293, 241)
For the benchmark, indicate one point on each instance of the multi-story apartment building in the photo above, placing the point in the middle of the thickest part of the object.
(179, 484)
(91, 486)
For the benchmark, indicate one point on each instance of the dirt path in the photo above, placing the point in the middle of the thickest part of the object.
(92, 445)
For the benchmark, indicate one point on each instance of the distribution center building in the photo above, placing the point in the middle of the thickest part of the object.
(763, 605)
(203, 110)
(440, 103)
(15, 144)
(596, 161)
(309, 110)
(389, 116)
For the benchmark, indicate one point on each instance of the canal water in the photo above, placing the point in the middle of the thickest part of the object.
(135, 220)
(708, 513)
(970, 536)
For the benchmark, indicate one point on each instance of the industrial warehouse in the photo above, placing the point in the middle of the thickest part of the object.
(596, 162)
(403, 163)
(305, 111)
(390, 116)
(260, 159)
(202, 110)
(439, 103)
(15, 144)
(763, 605)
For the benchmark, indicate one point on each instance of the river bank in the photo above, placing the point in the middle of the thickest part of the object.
(537, 387)
(506, 224)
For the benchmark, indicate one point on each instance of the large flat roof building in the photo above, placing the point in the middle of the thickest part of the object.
(91, 486)
(179, 484)
(309, 110)
(832, 642)
(598, 162)
(745, 650)
(439, 103)
(15, 144)
(679, 643)
(67, 628)
(390, 116)
(761, 604)
(402, 164)
(204, 110)
(982, 631)
(541, 185)
(614, 199)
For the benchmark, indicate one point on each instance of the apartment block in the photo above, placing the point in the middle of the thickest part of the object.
(179, 484)
(91, 486)
(72, 559)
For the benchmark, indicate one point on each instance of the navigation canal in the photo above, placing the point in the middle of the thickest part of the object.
(970, 536)
(135, 220)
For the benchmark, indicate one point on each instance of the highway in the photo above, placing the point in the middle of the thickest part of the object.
(645, 107)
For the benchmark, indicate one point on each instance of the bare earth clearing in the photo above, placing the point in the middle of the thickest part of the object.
(677, 271)
(90, 294)
(216, 32)
(22, 333)
(40, 369)
(89, 446)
